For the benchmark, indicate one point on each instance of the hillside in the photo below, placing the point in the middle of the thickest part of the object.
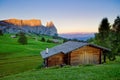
(15, 58)
(109, 71)
(32, 26)
(22, 62)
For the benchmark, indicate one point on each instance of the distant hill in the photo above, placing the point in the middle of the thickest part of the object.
(78, 36)
(32, 26)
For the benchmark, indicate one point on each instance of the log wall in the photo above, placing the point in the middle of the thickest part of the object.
(56, 60)
(85, 55)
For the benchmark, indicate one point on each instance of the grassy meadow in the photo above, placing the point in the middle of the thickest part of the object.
(15, 58)
(108, 71)
(20, 62)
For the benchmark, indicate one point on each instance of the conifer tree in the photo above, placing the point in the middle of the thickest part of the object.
(1, 34)
(22, 38)
(104, 30)
(116, 35)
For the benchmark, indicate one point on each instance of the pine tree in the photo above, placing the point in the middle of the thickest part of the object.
(116, 25)
(1, 34)
(102, 37)
(22, 38)
(104, 30)
(109, 37)
(116, 34)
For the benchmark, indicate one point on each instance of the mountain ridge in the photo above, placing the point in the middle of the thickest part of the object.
(33, 26)
(79, 36)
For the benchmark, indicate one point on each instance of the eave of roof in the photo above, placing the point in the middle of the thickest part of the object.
(101, 47)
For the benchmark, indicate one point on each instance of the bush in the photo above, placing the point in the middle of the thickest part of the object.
(22, 38)
(43, 39)
(111, 56)
(49, 41)
(1, 34)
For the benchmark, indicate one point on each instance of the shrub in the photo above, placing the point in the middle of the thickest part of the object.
(1, 34)
(49, 41)
(43, 39)
(22, 38)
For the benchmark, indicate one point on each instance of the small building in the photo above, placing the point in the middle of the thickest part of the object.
(13, 36)
(55, 40)
(73, 53)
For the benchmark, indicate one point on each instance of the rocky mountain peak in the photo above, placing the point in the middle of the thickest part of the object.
(32, 26)
(18, 22)
(32, 22)
(50, 24)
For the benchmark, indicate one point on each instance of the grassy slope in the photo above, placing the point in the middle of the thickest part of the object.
(15, 58)
(109, 71)
(9, 47)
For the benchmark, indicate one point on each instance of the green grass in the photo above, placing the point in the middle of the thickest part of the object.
(17, 65)
(15, 58)
(9, 48)
(20, 62)
(108, 71)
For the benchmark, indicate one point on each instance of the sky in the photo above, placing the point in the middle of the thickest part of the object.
(69, 16)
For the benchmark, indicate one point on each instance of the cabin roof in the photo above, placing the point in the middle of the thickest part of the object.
(68, 47)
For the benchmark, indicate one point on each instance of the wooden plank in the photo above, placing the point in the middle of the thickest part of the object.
(56, 59)
(85, 55)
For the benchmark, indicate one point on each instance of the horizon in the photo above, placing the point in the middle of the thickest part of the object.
(78, 33)
(73, 16)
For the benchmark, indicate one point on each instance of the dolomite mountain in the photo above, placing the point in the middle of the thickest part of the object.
(32, 26)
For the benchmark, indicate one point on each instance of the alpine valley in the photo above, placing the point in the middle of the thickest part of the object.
(79, 36)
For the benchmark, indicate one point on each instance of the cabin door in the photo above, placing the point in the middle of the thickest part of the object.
(86, 58)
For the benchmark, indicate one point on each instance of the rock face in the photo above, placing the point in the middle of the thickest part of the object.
(32, 26)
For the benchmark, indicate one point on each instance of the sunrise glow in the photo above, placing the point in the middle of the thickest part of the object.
(67, 15)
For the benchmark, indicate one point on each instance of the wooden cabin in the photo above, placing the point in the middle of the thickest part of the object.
(73, 53)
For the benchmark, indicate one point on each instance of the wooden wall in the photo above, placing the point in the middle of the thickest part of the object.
(85, 55)
(56, 60)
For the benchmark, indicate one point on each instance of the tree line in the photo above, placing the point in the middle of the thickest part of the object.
(109, 36)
